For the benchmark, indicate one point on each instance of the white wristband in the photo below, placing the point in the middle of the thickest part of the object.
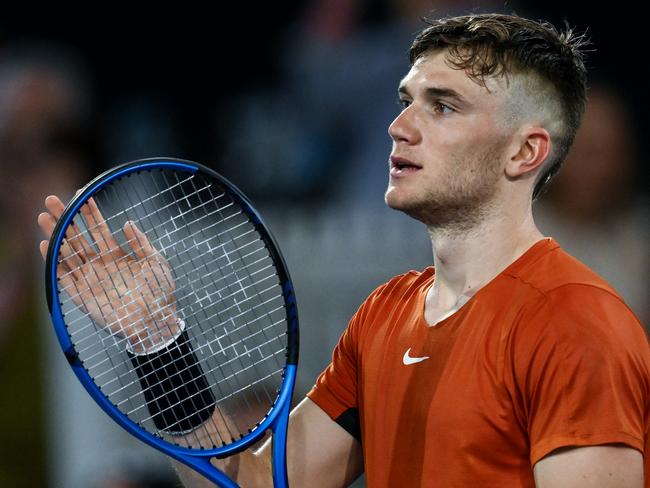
(157, 345)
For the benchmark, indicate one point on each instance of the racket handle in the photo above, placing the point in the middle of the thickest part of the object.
(177, 392)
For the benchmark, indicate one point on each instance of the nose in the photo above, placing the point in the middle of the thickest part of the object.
(403, 128)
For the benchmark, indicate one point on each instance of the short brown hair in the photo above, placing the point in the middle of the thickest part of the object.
(501, 45)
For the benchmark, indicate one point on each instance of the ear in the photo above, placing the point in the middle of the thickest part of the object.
(530, 149)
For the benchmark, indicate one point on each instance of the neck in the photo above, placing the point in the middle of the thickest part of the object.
(467, 258)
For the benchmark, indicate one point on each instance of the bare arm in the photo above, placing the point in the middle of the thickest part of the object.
(610, 466)
(317, 449)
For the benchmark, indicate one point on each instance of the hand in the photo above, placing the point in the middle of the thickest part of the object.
(131, 297)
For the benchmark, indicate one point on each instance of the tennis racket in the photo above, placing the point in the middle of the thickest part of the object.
(174, 307)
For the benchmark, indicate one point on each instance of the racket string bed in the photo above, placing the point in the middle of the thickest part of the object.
(228, 386)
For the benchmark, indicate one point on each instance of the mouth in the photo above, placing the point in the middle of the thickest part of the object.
(401, 166)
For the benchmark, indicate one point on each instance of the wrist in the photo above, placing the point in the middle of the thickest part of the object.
(157, 337)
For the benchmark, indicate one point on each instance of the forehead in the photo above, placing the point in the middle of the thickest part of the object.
(434, 70)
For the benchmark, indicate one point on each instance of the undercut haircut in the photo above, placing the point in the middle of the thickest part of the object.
(544, 67)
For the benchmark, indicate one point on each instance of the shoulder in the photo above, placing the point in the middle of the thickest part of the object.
(404, 284)
(564, 286)
(552, 283)
(398, 292)
(583, 324)
(583, 313)
(567, 305)
(550, 268)
(580, 340)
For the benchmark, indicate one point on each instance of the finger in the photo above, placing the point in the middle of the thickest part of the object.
(55, 206)
(63, 269)
(74, 236)
(67, 271)
(70, 262)
(43, 246)
(74, 250)
(98, 228)
(78, 241)
(70, 284)
(47, 223)
(138, 241)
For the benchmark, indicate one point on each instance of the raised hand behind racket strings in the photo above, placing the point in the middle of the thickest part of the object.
(129, 292)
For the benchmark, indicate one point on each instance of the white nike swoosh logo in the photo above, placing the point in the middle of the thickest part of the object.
(409, 360)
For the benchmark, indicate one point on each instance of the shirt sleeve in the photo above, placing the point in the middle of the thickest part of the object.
(582, 368)
(335, 390)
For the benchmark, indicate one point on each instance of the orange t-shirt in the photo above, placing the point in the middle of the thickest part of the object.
(546, 355)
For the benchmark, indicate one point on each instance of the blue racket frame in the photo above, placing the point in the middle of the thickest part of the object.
(278, 416)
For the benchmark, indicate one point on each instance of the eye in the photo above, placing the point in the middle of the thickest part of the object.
(403, 102)
(442, 108)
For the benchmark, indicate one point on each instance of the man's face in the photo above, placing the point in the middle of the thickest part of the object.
(448, 145)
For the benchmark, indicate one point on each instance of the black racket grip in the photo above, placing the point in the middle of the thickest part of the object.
(177, 393)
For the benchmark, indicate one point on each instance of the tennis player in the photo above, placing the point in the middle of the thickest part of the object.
(508, 363)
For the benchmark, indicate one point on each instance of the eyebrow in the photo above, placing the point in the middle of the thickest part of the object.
(435, 92)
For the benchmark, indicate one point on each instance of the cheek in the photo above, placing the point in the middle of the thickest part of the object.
(473, 166)
(458, 136)
(463, 147)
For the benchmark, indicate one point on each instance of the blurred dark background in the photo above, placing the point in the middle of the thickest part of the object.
(292, 102)
(185, 66)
